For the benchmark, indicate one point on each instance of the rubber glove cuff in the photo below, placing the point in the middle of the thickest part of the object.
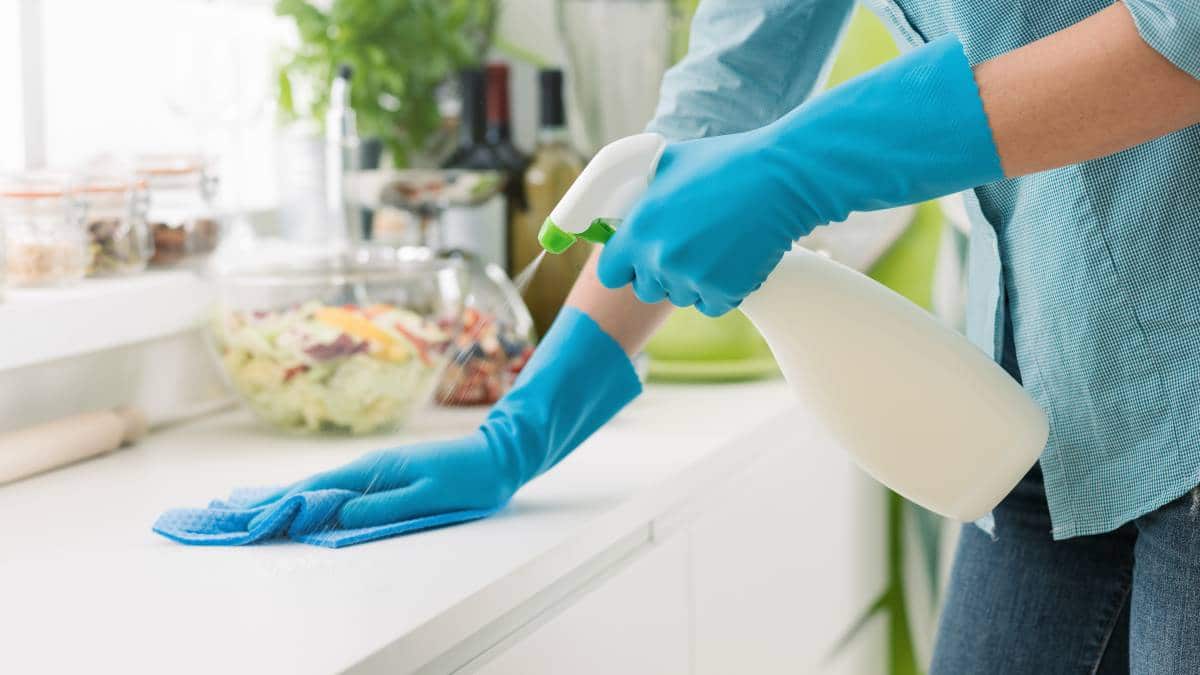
(911, 130)
(721, 212)
(578, 378)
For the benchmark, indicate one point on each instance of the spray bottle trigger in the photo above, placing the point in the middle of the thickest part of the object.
(556, 240)
(553, 238)
(600, 231)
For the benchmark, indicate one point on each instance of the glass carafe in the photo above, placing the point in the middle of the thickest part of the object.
(615, 80)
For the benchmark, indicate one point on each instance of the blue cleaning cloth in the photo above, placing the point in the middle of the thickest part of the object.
(307, 517)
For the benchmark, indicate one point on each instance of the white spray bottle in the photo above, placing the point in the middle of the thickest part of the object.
(916, 405)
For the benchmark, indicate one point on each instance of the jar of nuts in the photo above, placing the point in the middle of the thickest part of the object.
(183, 221)
(115, 206)
(42, 220)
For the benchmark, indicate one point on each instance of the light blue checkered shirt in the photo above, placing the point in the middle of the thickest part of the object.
(1098, 263)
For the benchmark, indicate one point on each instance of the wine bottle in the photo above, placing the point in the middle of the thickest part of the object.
(499, 124)
(554, 167)
(473, 151)
(481, 230)
(499, 139)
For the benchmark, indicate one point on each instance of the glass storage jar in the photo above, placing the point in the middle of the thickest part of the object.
(184, 224)
(42, 222)
(114, 207)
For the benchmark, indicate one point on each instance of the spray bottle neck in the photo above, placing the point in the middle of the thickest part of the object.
(609, 187)
(556, 240)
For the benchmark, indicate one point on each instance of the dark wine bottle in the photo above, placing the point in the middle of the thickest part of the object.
(482, 229)
(499, 124)
(473, 151)
(512, 160)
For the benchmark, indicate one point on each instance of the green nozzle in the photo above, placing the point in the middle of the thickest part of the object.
(554, 239)
(599, 232)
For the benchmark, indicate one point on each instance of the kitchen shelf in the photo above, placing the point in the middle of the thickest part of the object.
(40, 325)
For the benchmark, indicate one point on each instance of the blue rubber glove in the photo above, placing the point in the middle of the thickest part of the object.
(577, 379)
(722, 211)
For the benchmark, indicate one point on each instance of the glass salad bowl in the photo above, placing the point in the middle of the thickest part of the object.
(351, 342)
(495, 341)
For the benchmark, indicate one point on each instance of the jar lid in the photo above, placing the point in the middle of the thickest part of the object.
(170, 165)
(102, 185)
(35, 185)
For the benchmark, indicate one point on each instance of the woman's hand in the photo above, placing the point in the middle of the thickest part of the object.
(722, 211)
(577, 379)
(414, 481)
(713, 224)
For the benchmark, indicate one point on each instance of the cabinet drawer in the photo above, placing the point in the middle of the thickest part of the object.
(634, 622)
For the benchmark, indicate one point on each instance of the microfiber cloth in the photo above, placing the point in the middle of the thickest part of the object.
(307, 517)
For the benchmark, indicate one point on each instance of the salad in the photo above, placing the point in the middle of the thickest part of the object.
(339, 368)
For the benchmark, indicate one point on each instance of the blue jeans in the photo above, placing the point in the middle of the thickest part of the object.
(1126, 601)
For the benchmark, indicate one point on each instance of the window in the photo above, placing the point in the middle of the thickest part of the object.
(123, 77)
(12, 151)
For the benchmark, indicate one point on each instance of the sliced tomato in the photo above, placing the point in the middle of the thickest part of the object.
(294, 371)
(421, 345)
(470, 318)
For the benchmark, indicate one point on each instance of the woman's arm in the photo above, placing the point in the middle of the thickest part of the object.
(626, 319)
(1085, 92)
(1088, 91)
(747, 64)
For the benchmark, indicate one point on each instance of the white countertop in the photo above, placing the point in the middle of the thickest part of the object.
(85, 586)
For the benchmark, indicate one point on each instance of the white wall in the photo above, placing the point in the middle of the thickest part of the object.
(148, 76)
(532, 26)
(166, 376)
(11, 151)
(528, 25)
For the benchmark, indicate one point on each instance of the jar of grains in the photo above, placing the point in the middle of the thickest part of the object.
(42, 221)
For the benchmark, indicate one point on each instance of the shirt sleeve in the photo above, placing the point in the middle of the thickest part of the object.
(748, 63)
(1172, 28)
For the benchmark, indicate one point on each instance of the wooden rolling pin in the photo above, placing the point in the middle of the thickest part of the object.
(32, 450)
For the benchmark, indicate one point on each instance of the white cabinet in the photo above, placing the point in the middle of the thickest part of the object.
(634, 623)
(763, 577)
(784, 558)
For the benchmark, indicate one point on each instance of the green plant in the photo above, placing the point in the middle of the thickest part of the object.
(894, 602)
(401, 52)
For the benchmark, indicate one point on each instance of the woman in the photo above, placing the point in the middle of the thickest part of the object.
(1071, 121)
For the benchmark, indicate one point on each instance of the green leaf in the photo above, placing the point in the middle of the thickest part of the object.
(878, 606)
(311, 22)
(928, 526)
(519, 53)
(892, 602)
(287, 103)
(902, 659)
